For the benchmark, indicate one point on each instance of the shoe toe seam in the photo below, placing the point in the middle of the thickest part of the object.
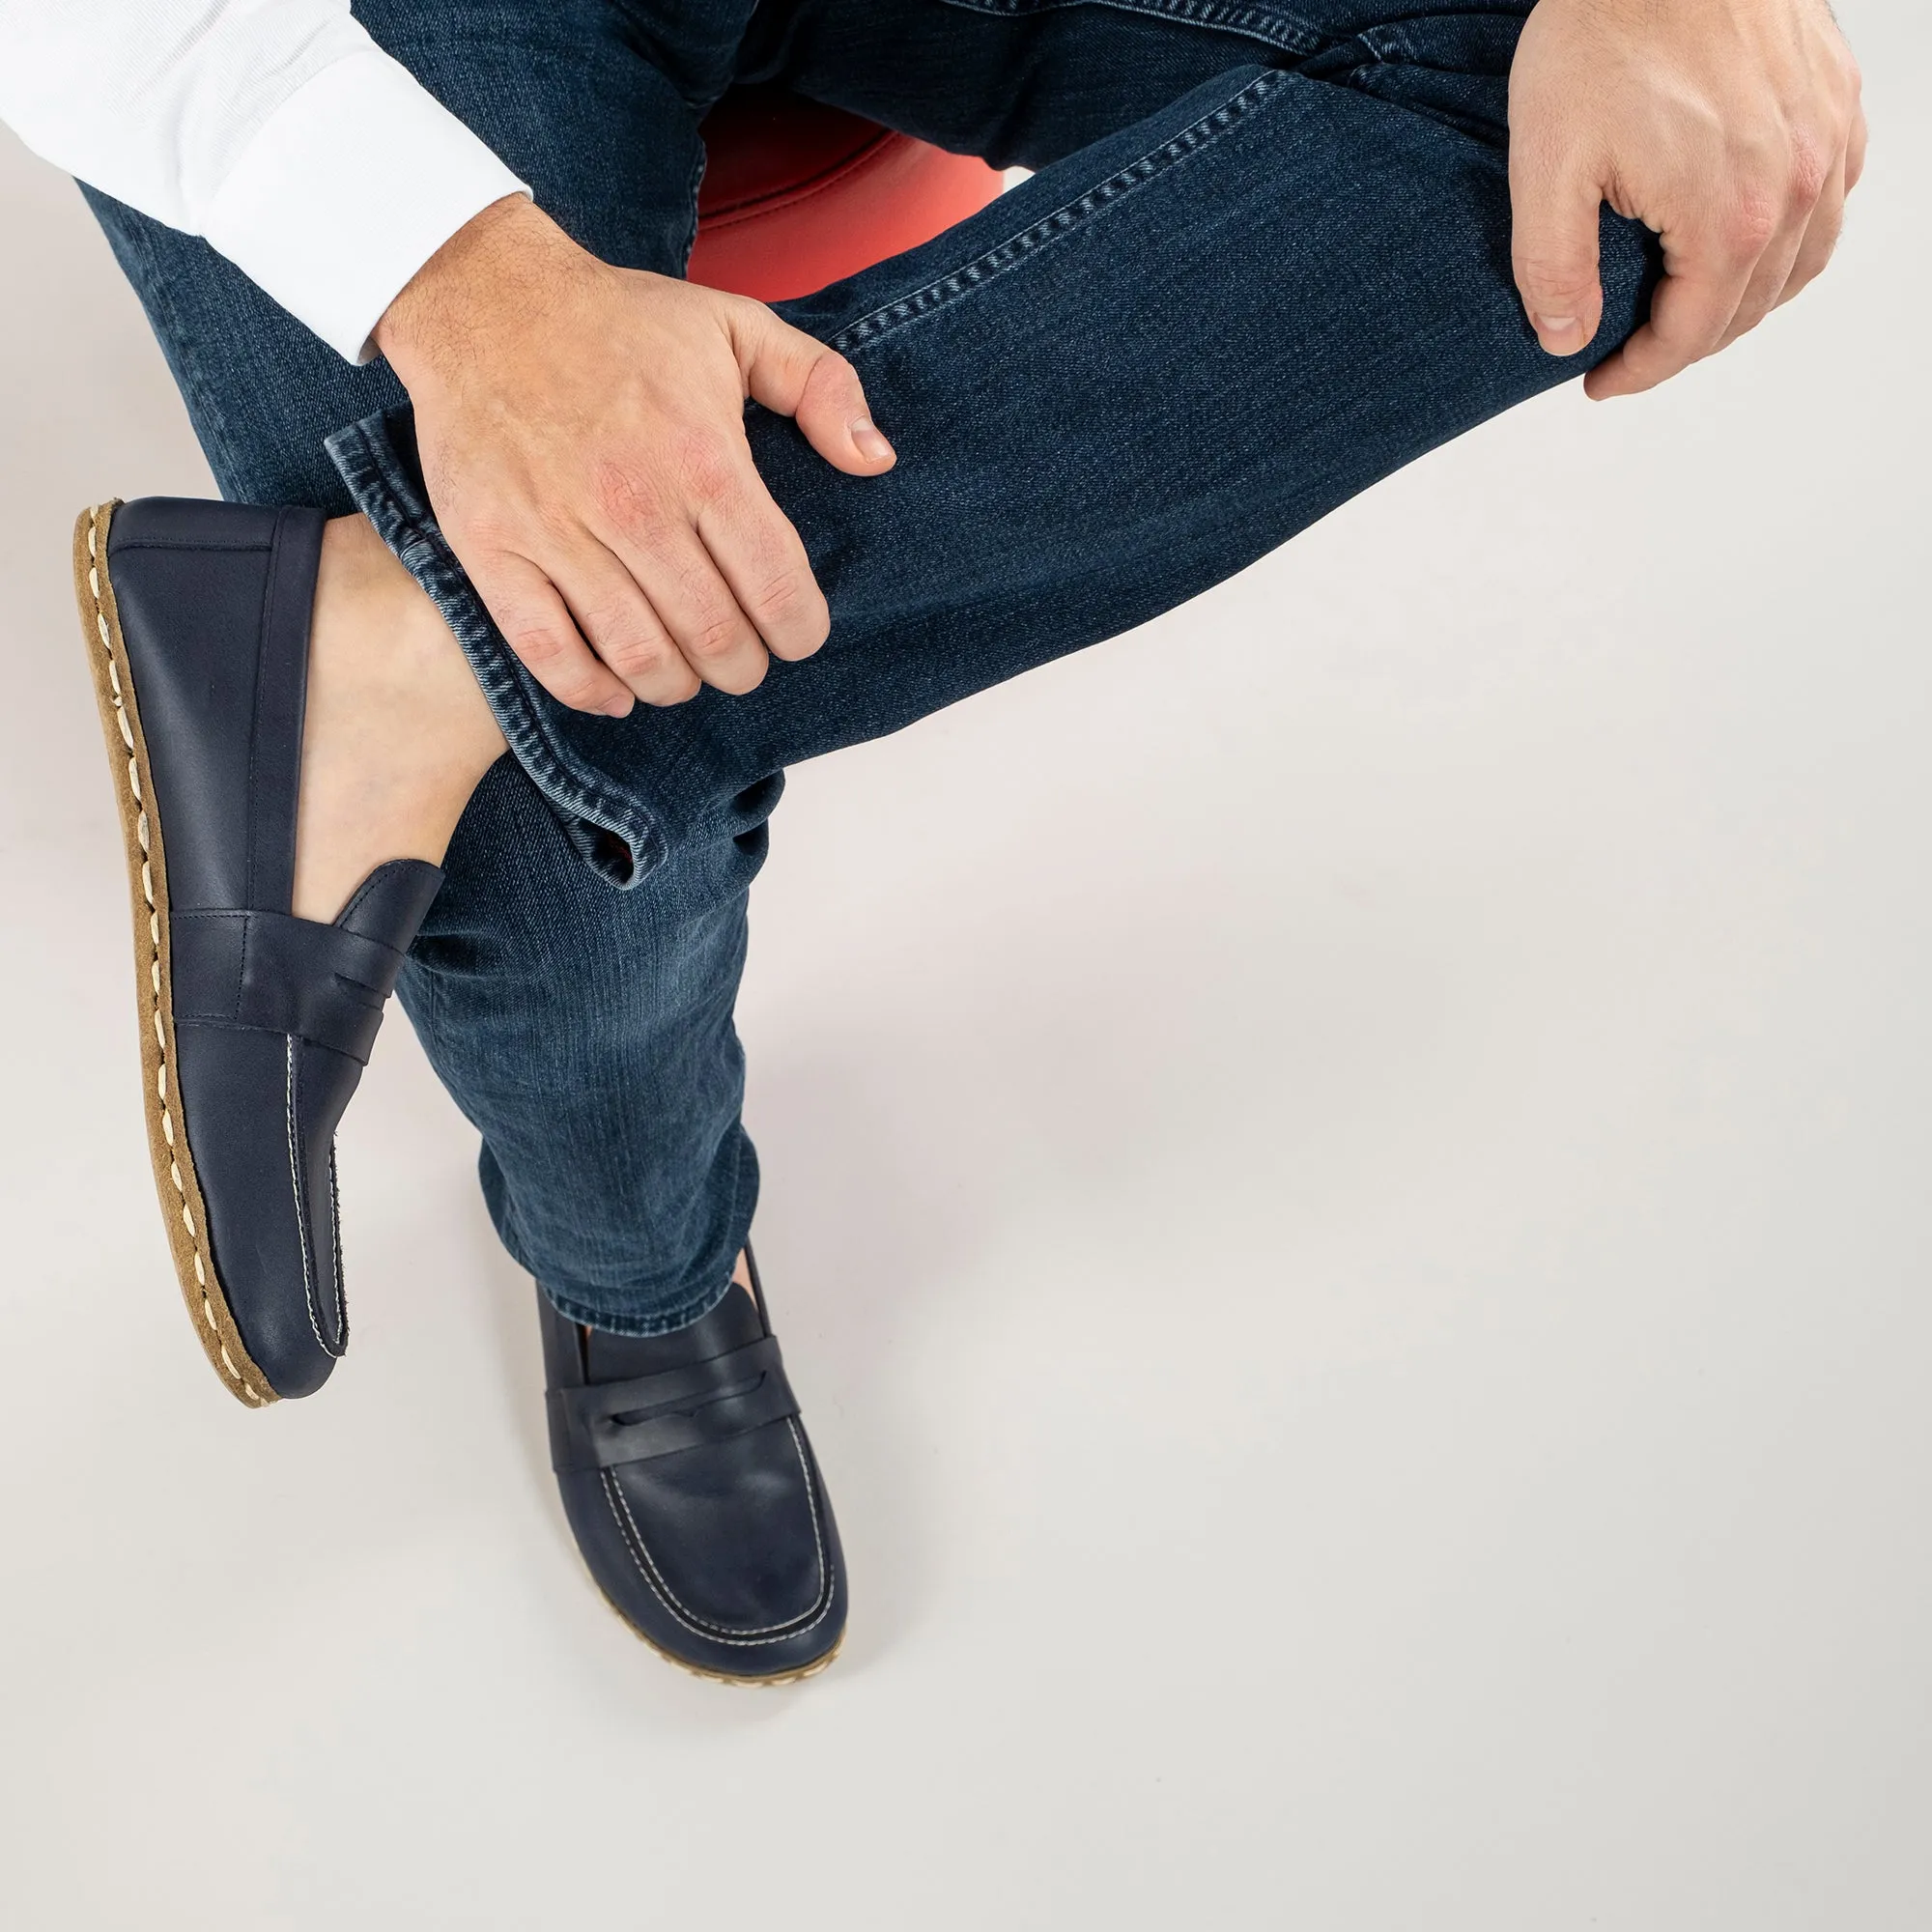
(769, 1633)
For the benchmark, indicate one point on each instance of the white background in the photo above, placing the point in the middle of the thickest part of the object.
(1346, 1192)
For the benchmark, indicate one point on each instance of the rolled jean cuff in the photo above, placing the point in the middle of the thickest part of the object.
(564, 751)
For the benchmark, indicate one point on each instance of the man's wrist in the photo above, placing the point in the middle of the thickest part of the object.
(309, 210)
(501, 257)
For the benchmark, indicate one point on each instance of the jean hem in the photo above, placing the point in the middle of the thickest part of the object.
(589, 1302)
(642, 1327)
(609, 825)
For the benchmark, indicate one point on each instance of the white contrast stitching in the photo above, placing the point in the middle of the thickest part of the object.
(335, 1246)
(1063, 221)
(640, 1556)
(301, 1217)
(810, 1490)
(135, 810)
(634, 1542)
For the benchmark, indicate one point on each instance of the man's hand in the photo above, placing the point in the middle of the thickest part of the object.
(582, 438)
(1731, 127)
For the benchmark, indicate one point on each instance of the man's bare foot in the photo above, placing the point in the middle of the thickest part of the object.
(397, 732)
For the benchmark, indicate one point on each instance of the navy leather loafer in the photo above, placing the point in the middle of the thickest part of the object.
(694, 1495)
(255, 1024)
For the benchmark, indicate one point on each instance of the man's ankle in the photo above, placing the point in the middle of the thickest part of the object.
(397, 733)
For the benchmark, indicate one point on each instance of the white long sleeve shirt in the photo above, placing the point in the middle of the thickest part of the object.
(276, 129)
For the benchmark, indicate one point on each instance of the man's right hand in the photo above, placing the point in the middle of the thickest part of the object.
(581, 430)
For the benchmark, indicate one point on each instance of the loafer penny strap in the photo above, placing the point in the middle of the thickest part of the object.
(608, 1423)
(286, 975)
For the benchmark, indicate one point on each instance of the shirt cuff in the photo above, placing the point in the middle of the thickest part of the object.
(346, 190)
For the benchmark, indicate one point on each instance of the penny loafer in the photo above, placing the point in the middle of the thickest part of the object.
(694, 1493)
(255, 1024)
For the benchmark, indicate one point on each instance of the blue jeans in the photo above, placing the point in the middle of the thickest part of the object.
(1263, 262)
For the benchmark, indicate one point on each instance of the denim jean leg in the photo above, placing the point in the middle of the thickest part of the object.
(1151, 364)
(587, 1034)
(1145, 367)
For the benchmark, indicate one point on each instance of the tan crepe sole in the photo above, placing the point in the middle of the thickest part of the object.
(181, 1210)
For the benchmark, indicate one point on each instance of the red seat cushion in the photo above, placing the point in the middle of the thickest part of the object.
(796, 195)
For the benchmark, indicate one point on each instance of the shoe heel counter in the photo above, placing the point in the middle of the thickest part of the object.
(214, 601)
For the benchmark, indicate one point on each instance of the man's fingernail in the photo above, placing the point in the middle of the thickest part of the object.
(1556, 324)
(620, 706)
(868, 443)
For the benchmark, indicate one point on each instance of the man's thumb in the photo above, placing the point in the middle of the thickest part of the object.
(789, 371)
(1555, 203)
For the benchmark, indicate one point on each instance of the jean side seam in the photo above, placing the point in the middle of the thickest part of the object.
(692, 186)
(429, 992)
(205, 412)
(1066, 219)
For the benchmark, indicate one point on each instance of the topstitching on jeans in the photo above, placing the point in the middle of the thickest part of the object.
(688, 240)
(1064, 220)
(1275, 25)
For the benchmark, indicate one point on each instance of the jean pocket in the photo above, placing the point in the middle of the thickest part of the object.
(1254, 19)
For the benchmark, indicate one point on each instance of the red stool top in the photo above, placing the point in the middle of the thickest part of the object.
(796, 194)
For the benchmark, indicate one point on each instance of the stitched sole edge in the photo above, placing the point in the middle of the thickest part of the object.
(691, 1669)
(182, 1212)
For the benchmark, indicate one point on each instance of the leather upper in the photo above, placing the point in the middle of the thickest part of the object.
(692, 1491)
(214, 602)
(604, 1425)
(274, 1016)
(326, 984)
